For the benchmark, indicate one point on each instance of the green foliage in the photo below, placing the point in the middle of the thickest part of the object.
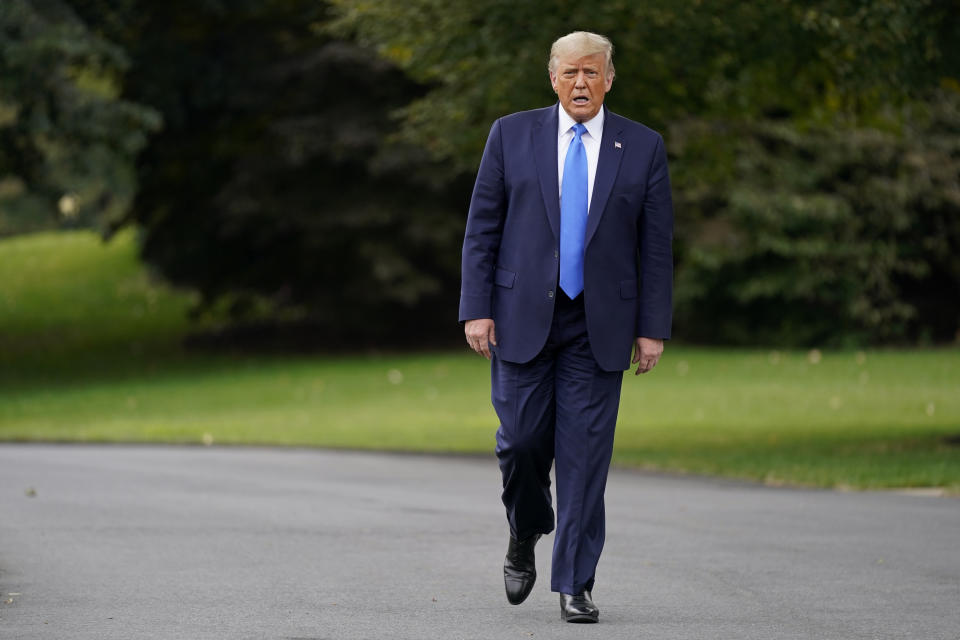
(813, 150)
(742, 60)
(266, 180)
(67, 140)
(814, 157)
(824, 235)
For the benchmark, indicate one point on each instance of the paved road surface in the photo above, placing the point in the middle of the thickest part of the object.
(195, 543)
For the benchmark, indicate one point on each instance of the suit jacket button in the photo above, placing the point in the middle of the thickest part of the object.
(556, 254)
(549, 294)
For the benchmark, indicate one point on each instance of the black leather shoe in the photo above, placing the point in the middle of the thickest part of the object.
(578, 607)
(520, 568)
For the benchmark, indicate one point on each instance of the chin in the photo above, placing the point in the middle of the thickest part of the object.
(584, 112)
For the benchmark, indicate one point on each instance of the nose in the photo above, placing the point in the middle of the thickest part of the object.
(581, 81)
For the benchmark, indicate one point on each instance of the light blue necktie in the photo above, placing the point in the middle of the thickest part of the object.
(573, 215)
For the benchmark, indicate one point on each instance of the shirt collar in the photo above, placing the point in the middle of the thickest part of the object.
(594, 125)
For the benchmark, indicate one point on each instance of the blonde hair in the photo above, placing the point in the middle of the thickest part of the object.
(579, 44)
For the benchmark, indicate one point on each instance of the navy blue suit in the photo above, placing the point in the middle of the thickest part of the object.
(557, 366)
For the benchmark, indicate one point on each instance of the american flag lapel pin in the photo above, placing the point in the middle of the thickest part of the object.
(617, 145)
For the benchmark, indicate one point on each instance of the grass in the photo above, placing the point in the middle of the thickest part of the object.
(89, 351)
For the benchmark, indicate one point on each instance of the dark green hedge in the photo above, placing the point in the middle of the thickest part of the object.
(823, 235)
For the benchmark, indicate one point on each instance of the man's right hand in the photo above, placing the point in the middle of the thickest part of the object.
(480, 335)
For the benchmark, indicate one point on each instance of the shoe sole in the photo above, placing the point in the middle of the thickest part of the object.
(584, 618)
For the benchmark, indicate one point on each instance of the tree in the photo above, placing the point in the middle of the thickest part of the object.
(67, 140)
(826, 235)
(828, 61)
(297, 167)
(266, 183)
(810, 149)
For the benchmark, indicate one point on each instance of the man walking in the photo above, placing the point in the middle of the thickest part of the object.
(567, 265)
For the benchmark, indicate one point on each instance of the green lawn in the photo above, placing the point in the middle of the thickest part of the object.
(89, 352)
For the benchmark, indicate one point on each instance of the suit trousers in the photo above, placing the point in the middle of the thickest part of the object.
(561, 408)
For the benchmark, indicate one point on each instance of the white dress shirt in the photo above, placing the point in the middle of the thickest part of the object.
(591, 144)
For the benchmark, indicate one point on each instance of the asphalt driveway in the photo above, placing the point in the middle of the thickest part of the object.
(128, 542)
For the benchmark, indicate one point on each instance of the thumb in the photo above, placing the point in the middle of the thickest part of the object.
(492, 334)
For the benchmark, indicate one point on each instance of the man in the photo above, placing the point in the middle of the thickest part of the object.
(567, 264)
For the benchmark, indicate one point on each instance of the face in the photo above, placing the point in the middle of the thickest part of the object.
(581, 85)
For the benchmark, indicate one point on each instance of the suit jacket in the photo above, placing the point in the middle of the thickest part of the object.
(510, 266)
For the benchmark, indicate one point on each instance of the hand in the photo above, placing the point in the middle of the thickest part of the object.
(647, 352)
(480, 335)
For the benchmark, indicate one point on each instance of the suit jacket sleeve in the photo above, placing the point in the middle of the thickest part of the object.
(481, 242)
(655, 303)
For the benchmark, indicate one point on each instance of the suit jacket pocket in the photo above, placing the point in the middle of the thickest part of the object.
(628, 289)
(504, 278)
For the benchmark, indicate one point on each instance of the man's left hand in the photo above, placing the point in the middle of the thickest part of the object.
(647, 353)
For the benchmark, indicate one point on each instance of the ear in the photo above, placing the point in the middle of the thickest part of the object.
(609, 83)
(553, 81)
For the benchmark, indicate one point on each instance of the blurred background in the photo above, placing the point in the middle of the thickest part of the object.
(241, 222)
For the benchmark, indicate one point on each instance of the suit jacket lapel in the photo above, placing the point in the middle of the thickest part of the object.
(545, 154)
(608, 166)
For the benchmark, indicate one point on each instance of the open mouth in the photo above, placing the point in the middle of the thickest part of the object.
(581, 100)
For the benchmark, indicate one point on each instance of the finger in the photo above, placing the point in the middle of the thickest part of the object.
(476, 344)
(646, 366)
(492, 336)
(484, 348)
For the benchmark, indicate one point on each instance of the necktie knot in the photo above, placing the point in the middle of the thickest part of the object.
(578, 130)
